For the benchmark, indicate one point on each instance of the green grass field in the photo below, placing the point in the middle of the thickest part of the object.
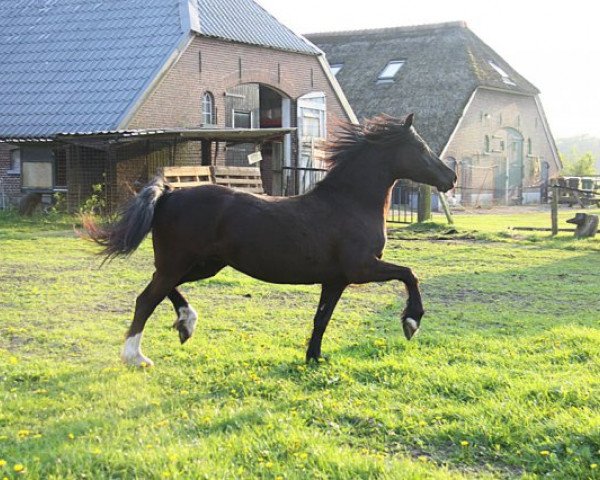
(502, 382)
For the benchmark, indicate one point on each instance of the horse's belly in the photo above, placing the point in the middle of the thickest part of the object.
(288, 270)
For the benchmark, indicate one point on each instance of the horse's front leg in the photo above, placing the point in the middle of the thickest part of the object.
(380, 271)
(330, 294)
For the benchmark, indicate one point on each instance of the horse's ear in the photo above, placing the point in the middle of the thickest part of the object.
(408, 121)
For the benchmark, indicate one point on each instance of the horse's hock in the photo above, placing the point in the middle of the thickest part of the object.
(586, 225)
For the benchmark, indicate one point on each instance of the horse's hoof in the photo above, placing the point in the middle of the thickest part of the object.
(132, 353)
(139, 361)
(410, 327)
(186, 323)
(184, 335)
(316, 358)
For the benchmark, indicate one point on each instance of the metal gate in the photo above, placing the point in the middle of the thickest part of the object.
(404, 202)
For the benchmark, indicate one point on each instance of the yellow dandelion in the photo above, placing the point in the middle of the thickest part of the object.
(19, 467)
(269, 464)
(544, 453)
(23, 433)
(464, 443)
(422, 423)
(71, 436)
(303, 455)
(594, 466)
(13, 360)
(278, 477)
(2, 463)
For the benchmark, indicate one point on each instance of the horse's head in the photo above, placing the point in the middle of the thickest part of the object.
(414, 160)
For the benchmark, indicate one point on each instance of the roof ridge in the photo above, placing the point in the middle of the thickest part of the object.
(299, 35)
(405, 28)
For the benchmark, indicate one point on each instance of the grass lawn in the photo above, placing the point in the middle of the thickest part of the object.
(502, 382)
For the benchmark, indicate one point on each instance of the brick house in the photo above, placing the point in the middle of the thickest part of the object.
(482, 117)
(106, 92)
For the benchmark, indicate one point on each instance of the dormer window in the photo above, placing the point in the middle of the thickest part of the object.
(505, 76)
(335, 68)
(389, 72)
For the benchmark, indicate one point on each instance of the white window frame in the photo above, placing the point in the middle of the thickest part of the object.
(505, 76)
(390, 71)
(336, 68)
(15, 161)
(208, 102)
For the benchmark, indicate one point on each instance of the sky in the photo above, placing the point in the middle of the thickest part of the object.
(555, 45)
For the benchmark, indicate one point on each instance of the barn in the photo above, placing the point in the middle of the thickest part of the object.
(479, 114)
(98, 96)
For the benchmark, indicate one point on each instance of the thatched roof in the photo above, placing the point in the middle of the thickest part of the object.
(444, 64)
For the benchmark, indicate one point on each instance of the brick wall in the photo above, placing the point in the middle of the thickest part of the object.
(214, 65)
(494, 114)
(10, 185)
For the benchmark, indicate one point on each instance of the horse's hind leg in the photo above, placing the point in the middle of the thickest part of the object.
(145, 304)
(186, 315)
(330, 294)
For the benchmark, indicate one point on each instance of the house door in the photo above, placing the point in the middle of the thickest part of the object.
(312, 129)
(515, 166)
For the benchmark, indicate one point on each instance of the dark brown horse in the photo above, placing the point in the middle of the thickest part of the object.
(334, 235)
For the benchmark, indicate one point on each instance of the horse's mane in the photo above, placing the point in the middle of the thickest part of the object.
(380, 130)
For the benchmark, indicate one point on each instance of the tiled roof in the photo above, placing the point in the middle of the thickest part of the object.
(246, 21)
(444, 64)
(77, 65)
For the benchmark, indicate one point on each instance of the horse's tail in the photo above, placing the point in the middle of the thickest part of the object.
(124, 236)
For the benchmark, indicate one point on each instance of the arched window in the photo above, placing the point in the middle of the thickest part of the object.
(529, 147)
(208, 109)
(486, 144)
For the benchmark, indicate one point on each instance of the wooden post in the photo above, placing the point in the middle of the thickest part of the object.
(424, 208)
(554, 213)
(446, 208)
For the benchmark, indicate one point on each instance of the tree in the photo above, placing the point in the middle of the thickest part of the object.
(579, 167)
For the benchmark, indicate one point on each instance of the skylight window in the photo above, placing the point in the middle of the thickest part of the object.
(336, 67)
(505, 76)
(390, 71)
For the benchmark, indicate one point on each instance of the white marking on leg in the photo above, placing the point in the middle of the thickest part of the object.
(412, 324)
(188, 317)
(132, 352)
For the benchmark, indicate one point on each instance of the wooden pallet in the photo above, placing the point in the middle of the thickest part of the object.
(247, 179)
(182, 177)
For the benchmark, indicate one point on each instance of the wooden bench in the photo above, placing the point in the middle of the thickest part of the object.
(246, 179)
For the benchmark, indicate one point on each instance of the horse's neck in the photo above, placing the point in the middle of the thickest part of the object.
(368, 186)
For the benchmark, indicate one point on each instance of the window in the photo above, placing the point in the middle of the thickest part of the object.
(208, 109)
(505, 77)
(336, 67)
(15, 162)
(486, 144)
(389, 72)
(242, 119)
(529, 147)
